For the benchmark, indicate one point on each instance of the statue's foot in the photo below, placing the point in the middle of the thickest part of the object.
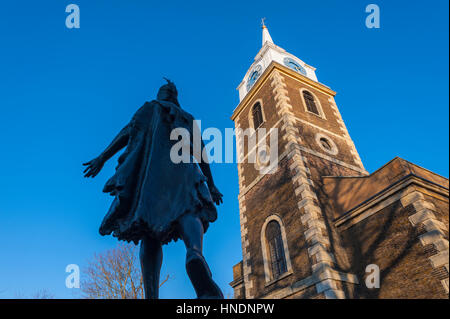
(201, 278)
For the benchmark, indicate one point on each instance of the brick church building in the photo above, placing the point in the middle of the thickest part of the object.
(319, 225)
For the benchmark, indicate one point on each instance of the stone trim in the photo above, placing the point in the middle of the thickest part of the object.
(343, 127)
(332, 159)
(383, 199)
(283, 107)
(311, 214)
(239, 151)
(243, 190)
(424, 216)
(343, 137)
(324, 281)
(334, 149)
(277, 67)
(246, 258)
(271, 282)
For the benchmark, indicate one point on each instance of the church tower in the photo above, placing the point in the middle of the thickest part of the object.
(289, 246)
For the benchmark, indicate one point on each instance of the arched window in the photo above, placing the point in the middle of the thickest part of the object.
(257, 115)
(311, 105)
(276, 249)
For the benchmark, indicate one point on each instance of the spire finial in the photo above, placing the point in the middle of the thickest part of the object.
(266, 36)
(263, 25)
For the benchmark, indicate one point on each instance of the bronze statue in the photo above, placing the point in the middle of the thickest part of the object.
(155, 200)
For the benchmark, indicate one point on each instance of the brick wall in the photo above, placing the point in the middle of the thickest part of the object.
(388, 240)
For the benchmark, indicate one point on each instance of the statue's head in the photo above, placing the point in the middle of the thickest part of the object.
(168, 92)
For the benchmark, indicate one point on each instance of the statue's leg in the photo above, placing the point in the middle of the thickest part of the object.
(151, 262)
(191, 230)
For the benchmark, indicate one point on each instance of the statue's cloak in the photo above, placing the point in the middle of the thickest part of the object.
(151, 192)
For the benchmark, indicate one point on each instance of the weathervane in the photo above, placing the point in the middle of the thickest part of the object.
(262, 22)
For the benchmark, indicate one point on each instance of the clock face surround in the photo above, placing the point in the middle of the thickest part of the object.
(294, 65)
(254, 75)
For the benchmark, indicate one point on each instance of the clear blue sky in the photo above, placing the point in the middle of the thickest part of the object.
(64, 94)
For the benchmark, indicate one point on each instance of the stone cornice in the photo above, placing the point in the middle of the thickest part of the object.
(285, 71)
(384, 198)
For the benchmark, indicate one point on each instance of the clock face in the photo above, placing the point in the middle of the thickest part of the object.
(254, 75)
(290, 63)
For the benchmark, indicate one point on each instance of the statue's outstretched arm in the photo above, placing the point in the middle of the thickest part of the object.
(120, 141)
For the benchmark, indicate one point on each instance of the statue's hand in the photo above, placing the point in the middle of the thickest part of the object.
(93, 167)
(215, 194)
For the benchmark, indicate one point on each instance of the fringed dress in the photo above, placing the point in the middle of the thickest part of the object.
(152, 192)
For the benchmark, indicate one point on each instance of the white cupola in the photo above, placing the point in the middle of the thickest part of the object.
(269, 53)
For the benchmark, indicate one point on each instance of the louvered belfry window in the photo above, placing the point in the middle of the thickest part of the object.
(276, 249)
(310, 102)
(257, 115)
